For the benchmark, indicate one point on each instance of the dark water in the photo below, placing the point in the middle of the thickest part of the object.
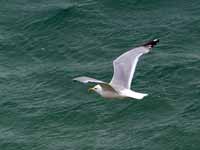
(44, 44)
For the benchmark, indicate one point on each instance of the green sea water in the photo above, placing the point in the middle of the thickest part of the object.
(46, 43)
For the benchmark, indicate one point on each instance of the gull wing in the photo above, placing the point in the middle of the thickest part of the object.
(124, 66)
(84, 79)
(104, 85)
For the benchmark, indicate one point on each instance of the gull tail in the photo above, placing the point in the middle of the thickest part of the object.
(151, 43)
(138, 95)
(133, 94)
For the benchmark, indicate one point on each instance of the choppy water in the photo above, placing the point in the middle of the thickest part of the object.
(44, 44)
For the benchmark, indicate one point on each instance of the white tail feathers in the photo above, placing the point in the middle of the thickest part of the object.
(133, 94)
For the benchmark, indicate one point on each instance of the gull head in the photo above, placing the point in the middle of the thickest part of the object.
(97, 88)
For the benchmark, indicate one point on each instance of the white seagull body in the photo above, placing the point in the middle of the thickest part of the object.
(124, 68)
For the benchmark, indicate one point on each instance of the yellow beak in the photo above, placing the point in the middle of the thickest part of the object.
(90, 89)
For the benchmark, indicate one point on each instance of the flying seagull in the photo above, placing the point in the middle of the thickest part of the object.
(124, 68)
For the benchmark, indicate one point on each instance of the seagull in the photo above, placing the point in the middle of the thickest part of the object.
(124, 69)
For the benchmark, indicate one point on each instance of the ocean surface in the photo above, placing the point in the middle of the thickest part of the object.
(44, 44)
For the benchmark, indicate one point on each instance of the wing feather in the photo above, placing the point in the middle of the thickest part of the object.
(124, 66)
(84, 79)
(104, 85)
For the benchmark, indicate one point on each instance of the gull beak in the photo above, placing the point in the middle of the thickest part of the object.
(90, 89)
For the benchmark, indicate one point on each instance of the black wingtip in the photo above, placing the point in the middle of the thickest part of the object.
(151, 43)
